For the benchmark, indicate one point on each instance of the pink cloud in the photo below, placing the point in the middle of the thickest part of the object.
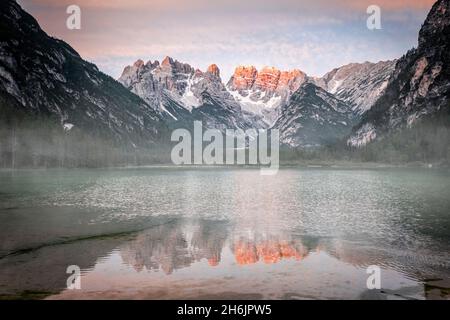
(227, 32)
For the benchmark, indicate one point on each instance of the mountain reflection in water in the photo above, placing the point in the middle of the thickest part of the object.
(221, 260)
(203, 258)
(175, 246)
(175, 234)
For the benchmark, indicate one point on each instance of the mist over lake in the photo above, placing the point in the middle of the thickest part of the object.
(165, 232)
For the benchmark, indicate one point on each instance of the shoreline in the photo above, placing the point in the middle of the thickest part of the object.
(305, 165)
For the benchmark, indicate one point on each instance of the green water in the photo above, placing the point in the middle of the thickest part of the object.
(225, 233)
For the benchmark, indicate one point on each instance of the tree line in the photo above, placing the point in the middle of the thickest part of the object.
(30, 141)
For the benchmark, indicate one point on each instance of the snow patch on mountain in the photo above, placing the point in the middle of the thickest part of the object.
(358, 84)
(188, 99)
(266, 108)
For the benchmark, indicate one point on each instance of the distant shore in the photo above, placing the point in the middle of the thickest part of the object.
(283, 165)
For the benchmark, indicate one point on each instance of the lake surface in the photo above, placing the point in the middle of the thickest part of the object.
(164, 233)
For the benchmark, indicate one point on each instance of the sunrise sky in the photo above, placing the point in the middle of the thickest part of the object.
(314, 36)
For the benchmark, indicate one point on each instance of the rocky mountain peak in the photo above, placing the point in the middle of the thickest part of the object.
(313, 117)
(183, 94)
(436, 28)
(139, 63)
(171, 66)
(269, 79)
(358, 84)
(44, 76)
(419, 86)
(292, 80)
(214, 70)
(151, 64)
(167, 61)
(263, 92)
(243, 77)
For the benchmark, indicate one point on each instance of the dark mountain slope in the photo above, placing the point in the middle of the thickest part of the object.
(44, 78)
(420, 85)
(313, 118)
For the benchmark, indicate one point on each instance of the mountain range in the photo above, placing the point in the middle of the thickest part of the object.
(419, 87)
(261, 99)
(44, 77)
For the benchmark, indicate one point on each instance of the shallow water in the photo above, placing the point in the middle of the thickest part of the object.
(225, 233)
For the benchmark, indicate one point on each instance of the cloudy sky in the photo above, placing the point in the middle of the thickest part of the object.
(312, 35)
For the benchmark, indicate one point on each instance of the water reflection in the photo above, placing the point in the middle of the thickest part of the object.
(181, 243)
(200, 253)
(225, 234)
(268, 251)
(174, 246)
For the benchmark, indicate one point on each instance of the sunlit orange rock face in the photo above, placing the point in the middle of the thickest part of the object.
(269, 251)
(244, 77)
(268, 79)
(291, 79)
(167, 61)
(214, 70)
